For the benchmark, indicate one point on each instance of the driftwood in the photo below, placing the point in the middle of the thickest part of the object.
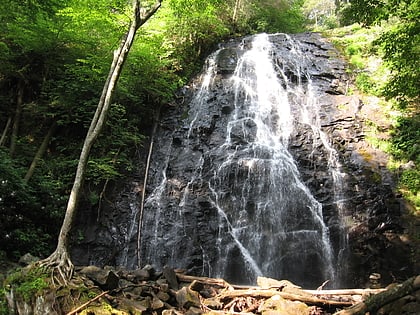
(379, 300)
(268, 293)
(178, 293)
(210, 281)
(346, 291)
(371, 299)
(81, 307)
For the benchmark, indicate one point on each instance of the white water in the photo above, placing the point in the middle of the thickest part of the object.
(266, 221)
(272, 180)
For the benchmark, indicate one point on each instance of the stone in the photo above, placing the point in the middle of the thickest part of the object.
(27, 259)
(150, 269)
(187, 298)
(141, 275)
(170, 276)
(112, 281)
(226, 61)
(136, 307)
(169, 312)
(411, 308)
(196, 286)
(156, 303)
(122, 283)
(187, 168)
(163, 285)
(278, 305)
(194, 311)
(107, 280)
(163, 296)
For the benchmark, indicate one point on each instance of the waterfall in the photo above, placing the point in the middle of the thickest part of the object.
(227, 198)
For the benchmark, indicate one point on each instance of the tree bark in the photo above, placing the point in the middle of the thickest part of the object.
(5, 131)
(308, 299)
(16, 120)
(60, 261)
(41, 150)
(143, 193)
(235, 11)
(211, 281)
(84, 305)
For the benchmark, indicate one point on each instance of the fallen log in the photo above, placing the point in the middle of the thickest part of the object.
(268, 293)
(84, 305)
(211, 281)
(375, 302)
(345, 291)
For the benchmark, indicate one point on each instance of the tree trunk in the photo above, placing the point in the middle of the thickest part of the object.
(16, 120)
(41, 150)
(60, 261)
(235, 11)
(143, 193)
(337, 6)
(5, 131)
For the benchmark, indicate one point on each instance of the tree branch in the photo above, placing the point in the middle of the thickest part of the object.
(76, 310)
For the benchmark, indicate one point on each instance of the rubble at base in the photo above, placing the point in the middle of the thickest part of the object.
(97, 291)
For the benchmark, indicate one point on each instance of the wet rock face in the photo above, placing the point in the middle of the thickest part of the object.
(363, 217)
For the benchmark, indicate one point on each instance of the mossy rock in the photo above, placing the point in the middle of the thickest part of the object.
(104, 309)
(278, 305)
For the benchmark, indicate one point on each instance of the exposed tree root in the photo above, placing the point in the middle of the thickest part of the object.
(60, 265)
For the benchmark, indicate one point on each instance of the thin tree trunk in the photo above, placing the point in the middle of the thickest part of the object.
(337, 6)
(5, 131)
(16, 120)
(235, 11)
(143, 193)
(41, 150)
(60, 260)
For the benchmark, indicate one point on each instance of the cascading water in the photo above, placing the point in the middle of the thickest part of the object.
(269, 221)
(259, 169)
(233, 204)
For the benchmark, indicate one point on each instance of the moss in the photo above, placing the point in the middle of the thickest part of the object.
(4, 310)
(104, 309)
(28, 282)
(409, 185)
(366, 155)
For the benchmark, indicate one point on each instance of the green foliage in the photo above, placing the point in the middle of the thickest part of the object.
(28, 282)
(60, 52)
(410, 179)
(364, 48)
(4, 308)
(365, 83)
(192, 28)
(405, 139)
(321, 14)
(400, 46)
(356, 44)
(29, 218)
(399, 43)
(277, 16)
(366, 12)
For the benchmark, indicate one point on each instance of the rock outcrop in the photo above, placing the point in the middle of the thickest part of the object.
(359, 207)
